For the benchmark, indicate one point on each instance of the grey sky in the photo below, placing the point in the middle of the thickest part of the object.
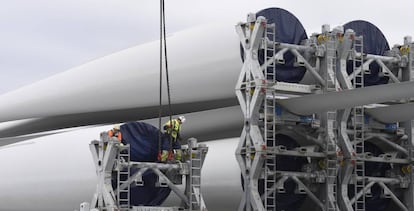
(43, 37)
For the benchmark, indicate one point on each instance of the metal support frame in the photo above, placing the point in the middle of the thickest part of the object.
(104, 156)
(359, 131)
(330, 125)
(353, 149)
(112, 158)
(256, 91)
(123, 172)
(270, 178)
(250, 87)
(408, 75)
(347, 128)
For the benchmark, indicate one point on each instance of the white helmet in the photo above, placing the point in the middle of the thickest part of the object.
(182, 119)
(117, 127)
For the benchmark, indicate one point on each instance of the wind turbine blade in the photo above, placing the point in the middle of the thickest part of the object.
(393, 113)
(205, 125)
(314, 103)
(204, 63)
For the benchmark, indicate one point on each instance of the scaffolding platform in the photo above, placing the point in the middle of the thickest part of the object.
(112, 158)
(337, 149)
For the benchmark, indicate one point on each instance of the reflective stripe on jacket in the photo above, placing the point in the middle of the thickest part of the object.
(173, 128)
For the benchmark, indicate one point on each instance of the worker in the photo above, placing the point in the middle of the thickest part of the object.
(116, 132)
(172, 129)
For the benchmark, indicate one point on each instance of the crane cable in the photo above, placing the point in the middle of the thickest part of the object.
(163, 51)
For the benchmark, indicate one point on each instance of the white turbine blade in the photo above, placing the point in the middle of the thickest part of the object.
(205, 125)
(393, 113)
(35, 125)
(315, 103)
(204, 63)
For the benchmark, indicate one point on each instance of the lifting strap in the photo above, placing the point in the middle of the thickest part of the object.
(163, 51)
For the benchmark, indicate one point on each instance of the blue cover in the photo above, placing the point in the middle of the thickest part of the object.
(143, 140)
(288, 30)
(374, 43)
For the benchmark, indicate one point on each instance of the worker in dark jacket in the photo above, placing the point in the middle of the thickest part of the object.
(172, 129)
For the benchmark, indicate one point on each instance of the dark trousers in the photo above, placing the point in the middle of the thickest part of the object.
(167, 138)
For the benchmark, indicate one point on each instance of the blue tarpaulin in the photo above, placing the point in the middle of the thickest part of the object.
(374, 43)
(143, 141)
(288, 30)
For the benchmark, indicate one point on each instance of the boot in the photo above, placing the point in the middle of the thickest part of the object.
(164, 156)
(178, 154)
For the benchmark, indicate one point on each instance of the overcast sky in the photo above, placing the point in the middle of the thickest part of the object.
(44, 37)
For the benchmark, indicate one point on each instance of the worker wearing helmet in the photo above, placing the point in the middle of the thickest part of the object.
(172, 129)
(116, 132)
